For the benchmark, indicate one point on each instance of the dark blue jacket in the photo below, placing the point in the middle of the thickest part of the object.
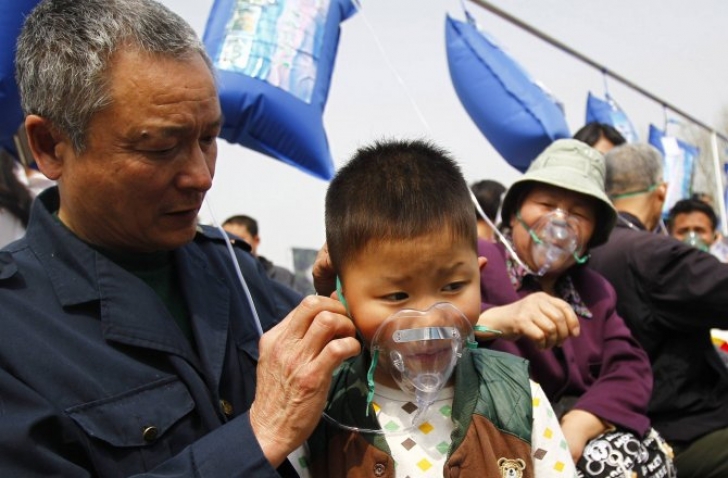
(97, 378)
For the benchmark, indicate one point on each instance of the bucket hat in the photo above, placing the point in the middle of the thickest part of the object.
(575, 166)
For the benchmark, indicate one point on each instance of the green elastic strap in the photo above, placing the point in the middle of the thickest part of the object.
(533, 235)
(488, 330)
(635, 193)
(370, 379)
(340, 293)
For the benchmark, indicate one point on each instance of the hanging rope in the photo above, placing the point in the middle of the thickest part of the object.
(391, 67)
(563, 47)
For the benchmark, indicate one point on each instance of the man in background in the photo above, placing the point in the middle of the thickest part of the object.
(489, 194)
(670, 295)
(246, 228)
(694, 221)
(600, 136)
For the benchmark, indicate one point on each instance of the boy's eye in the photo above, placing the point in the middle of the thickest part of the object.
(454, 286)
(396, 296)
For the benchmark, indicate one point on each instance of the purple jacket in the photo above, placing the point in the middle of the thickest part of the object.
(605, 367)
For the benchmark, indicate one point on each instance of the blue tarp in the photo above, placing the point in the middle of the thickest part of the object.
(274, 62)
(679, 160)
(12, 15)
(514, 113)
(608, 112)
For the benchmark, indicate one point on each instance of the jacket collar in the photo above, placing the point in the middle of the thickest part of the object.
(129, 313)
(627, 220)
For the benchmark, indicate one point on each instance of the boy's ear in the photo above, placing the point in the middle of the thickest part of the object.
(47, 144)
(482, 261)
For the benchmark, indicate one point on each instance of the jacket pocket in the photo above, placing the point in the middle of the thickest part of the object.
(138, 417)
(137, 430)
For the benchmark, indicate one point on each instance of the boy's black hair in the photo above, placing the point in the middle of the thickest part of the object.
(686, 206)
(591, 132)
(396, 189)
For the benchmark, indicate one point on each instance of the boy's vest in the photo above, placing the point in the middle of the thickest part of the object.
(492, 410)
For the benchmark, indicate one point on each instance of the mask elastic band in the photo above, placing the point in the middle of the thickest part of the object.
(635, 193)
(370, 380)
(340, 294)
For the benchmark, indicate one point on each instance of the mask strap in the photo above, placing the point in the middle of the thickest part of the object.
(370, 379)
(635, 193)
(581, 260)
(340, 294)
(533, 235)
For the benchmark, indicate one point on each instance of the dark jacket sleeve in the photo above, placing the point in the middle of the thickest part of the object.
(688, 286)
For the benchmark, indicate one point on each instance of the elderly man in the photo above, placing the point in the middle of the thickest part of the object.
(129, 346)
(670, 295)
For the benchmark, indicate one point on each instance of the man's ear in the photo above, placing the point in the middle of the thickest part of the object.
(662, 191)
(47, 144)
(482, 261)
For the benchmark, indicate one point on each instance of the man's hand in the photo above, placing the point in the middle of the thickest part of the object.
(546, 320)
(579, 427)
(324, 278)
(297, 359)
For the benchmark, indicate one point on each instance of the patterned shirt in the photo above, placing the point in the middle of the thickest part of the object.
(422, 451)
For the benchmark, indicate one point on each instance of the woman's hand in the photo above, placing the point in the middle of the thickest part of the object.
(546, 320)
(579, 427)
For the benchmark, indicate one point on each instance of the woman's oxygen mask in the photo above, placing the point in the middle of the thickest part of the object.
(419, 350)
(542, 243)
(554, 240)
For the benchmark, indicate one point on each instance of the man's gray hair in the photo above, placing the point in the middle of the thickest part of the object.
(66, 46)
(632, 168)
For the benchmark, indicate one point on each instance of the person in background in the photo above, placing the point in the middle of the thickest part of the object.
(600, 136)
(670, 295)
(246, 228)
(719, 246)
(694, 222)
(15, 200)
(600, 380)
(130, 347)
(402, 242)
(488, 194)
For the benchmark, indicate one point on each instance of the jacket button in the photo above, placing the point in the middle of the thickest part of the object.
(226, 408)
(150, 433)
(379, 469)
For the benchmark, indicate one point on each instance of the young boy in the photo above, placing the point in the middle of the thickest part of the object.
(401, 235)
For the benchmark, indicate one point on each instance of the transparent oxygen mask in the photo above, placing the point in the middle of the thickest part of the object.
(554, 240)
(419, 350)
(693, 239)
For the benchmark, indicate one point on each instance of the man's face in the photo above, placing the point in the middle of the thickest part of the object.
(696, 222)
(150, 156)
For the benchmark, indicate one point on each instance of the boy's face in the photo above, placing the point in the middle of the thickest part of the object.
(391, 275)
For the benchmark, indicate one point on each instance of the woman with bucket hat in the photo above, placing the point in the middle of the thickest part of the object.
(536, 288)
